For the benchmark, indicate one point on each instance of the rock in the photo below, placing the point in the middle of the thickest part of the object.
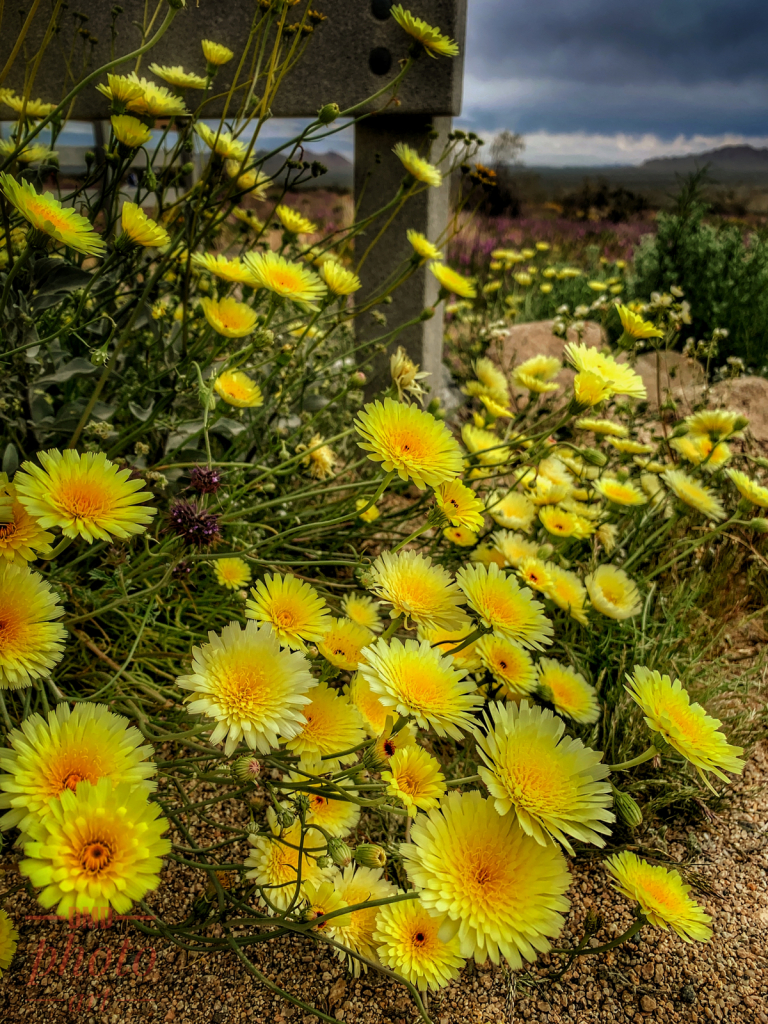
(688, 994)
(682, 378)
(747, 395)
(536, 339)
(647, 1004)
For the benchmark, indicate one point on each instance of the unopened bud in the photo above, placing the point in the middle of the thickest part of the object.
(285, 818)
(428, 313)
(339, 852)
(374, 760)
(187, 168)
(302, 804)
(177, 5)
(369, 855)
(593, 456)
(627, 808)
(759, 524)
(328, 113)
(324, 862)
(246, 769)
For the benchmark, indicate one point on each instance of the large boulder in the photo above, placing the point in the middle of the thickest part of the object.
(747, 395)
(681, 378)
(523, 341)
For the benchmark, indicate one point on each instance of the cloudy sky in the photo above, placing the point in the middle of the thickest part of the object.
(601, 81)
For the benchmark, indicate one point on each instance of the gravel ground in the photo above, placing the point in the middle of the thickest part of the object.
(115, 975)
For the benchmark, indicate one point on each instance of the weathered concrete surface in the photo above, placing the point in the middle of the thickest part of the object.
(378, 174)
(336, 67)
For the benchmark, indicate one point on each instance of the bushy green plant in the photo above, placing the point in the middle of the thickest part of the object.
(721, 268)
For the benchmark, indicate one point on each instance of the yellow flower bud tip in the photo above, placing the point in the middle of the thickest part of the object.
(369, 855)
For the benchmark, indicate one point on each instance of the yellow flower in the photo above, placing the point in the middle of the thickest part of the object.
(254, 181)
(503, 893)
(238, 389)
(293, 221)
(320, 457)
(452, 281)
(461, 536)
(249, 218)
(337, 817)
(629, 447)
(33, 109)
(356, 885)
(419, 168)
(564, 524)
(370, 514)
(607, 427)
(687, 727)
(635, 327)
(156, 101)
(485, 553)
(230, 318)
(9, 937)
(693, 493)
(417, 589)
(409, 441)
(30, 643)
(221, 142)
(662, 896)
(514, 548)
(460, 505)
(232, 573)
(620, 492)
(121, 90)
(446, 640)
(568, 691)
(332, 724)
(534, 573)
(613, 593)
(343, 643)
(96, 848)
(502, 604)
(554, 784)
(414, 778)
(284, 278)
(372, 711)
(48, 215)
(416, 679)
(590, 389)
(130, 131)
(608, 535)
(568, 592)
(276, 861)
(178, 77)
(717, 423)
(701, 451)
(510, 665)
(409, 943)
(228, 270)
(490, 381)
(745, 485)
(22, 539)
(489, 449)
(254, 691)
(293, 609)
(537, 373)
(495, 410)
(432, 39)
(216, 53)
(514, 510)
(141, 229)
(48, 757)
(620, 378)
(362, 610)
(422, 246)
(84, 494)
(323, 899)
(340, 281)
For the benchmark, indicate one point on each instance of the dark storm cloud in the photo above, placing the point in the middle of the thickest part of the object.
(667, 66)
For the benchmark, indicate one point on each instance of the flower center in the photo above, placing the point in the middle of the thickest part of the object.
(7, 530)
(285, 619)
(419, 939)
(70, 781)
(96, 856)
(82, 503)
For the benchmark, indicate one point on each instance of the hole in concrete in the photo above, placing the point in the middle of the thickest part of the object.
(380, 60)
(380, 9)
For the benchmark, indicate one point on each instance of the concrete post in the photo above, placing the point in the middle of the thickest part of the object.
(378, 173)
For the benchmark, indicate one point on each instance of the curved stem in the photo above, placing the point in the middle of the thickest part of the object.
(640, 759)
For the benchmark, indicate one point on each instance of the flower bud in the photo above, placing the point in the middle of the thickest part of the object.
(593, 456)
(285, 818)
(302, 804)
(246, 769)
(324, 862)
(374, 759)
(369, 855)
(339, 852)
(177, 5)
(328, 113)
(760, 524)
(627, 808)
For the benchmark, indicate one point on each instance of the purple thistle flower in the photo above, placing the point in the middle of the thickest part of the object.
(205, 481)
(193, 524)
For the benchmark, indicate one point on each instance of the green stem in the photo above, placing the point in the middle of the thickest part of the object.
(640, 759)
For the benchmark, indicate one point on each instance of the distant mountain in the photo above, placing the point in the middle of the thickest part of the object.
(339, 174)
(733, 159)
